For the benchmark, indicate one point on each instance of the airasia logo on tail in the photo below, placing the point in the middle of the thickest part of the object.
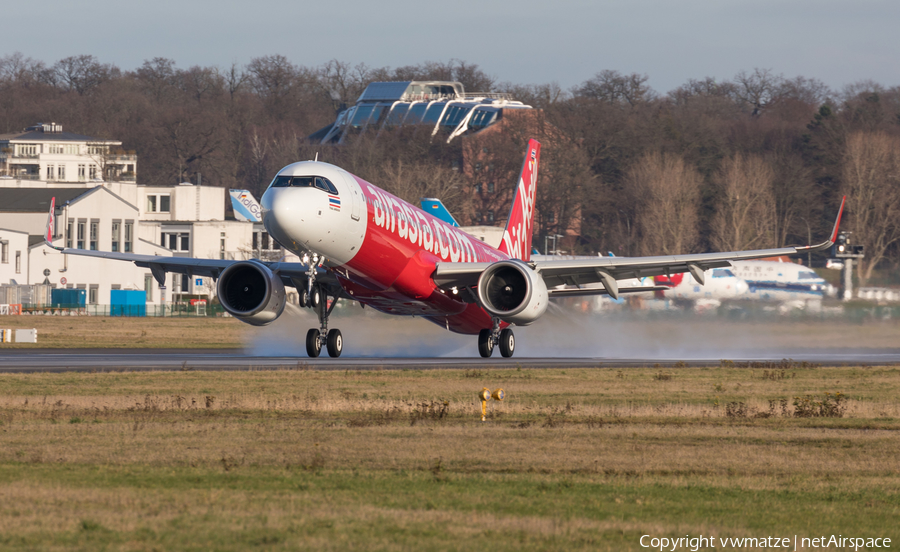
(517, 235)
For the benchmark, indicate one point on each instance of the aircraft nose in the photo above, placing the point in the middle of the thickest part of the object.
(283, 214)
(741, 287)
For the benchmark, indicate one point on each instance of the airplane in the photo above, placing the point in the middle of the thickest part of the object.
(362, 243)
(721, 283)
(781, 281)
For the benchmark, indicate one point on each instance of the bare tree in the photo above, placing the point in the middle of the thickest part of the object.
(235, 80)
(745, 215)
(201, 83)
(156, 77)
(666, 192)
(614, 87)
(470, 75)
(16, 67)
(412, 182)
(798, 203)
(540, 96)
(272, 76)
(872, 185)
(83, 73)
(756, 89)
(343, 83)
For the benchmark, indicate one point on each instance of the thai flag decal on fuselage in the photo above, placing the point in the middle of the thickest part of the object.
(334, 202)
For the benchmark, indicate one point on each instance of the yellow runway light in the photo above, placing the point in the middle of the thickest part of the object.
(485, 395)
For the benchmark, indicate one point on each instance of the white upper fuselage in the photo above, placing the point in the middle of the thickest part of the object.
(310, 218)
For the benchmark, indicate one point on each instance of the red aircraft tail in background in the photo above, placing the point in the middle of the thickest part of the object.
(517, 236)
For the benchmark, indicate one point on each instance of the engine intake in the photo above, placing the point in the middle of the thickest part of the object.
(251, 292)
(513, 292)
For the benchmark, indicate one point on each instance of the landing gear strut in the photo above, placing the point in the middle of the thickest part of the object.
(332, 339)
(488, 338)
(316, 298)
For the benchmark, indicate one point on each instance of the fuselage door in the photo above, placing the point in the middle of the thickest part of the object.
(356, 199)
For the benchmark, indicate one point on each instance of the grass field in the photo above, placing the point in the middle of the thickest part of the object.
(118, 332)
(368, 332)
(399, 460)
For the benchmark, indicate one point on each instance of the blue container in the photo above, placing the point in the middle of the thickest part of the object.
(68, 298)
(124, 302)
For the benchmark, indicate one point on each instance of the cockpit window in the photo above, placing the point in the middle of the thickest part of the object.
(807, 275)
(325, 185)
(319, 182)
(722, 273)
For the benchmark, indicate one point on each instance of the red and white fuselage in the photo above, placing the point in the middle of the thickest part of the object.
(382, 249)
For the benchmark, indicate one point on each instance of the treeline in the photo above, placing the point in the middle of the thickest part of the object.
(756, 161)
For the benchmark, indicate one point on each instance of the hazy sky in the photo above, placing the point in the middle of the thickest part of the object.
(526, 41)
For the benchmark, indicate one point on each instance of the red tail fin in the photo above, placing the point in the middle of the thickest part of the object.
(517, 236)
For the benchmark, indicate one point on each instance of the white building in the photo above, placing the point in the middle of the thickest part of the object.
(179, 220)
(100, 206)
(45, 152)
(98, 219)
(87, 218)
(13, 256)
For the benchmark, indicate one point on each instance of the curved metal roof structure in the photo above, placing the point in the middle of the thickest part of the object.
(443, 105)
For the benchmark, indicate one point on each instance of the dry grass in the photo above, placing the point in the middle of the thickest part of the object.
(573, 459)
(115, 332)
(583, 459)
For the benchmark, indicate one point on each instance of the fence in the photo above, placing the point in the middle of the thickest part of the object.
(149, 310)
(37, 294)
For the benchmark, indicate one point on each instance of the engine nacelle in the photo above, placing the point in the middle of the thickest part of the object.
(513, 292)
(251, 292)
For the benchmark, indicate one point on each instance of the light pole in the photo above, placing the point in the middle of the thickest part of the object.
(844, 250)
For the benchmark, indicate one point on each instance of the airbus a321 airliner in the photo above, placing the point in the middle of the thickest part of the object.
(361, 243)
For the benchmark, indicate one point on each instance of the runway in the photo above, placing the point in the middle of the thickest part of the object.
(114, 360)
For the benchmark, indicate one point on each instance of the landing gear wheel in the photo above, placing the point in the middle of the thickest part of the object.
(313, 345)
(335, 343)
(303, 300)
(485, 343)
(507, 343)
(315, 298)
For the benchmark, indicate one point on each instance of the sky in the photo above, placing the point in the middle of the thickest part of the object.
(524, 42)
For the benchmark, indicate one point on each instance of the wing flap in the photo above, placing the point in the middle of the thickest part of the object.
(585, 292)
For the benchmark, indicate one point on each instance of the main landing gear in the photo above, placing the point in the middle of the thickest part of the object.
(505, 338)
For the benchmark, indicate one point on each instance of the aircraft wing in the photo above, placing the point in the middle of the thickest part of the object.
(608, 270)
(292, 274)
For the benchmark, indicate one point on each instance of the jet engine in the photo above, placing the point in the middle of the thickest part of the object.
(513, 292)
(251, 292)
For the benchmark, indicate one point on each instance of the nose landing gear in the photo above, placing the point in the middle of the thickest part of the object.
(488, 338)
(332, 339)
